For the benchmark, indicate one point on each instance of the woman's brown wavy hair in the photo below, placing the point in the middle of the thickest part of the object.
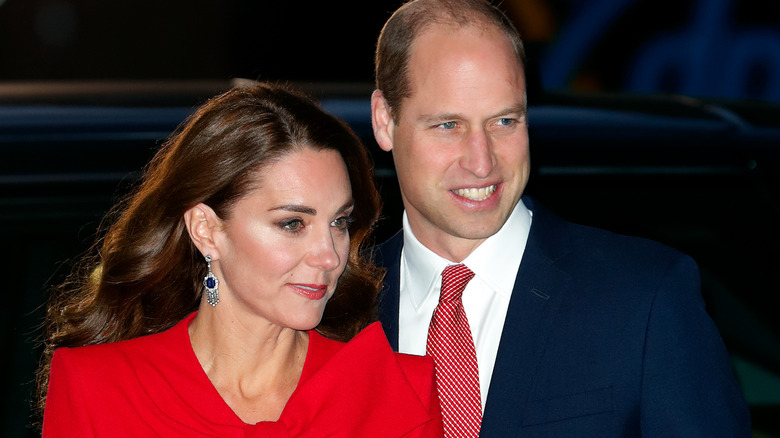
(145, 274)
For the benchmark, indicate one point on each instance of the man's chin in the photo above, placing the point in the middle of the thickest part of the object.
(477, 229)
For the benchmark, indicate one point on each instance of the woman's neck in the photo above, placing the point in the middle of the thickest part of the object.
(254, 365)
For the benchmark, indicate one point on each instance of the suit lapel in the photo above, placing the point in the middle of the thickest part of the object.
(539, 289)
(538, 292)
(388, 255)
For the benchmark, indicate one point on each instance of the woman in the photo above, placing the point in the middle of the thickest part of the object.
(196, 316)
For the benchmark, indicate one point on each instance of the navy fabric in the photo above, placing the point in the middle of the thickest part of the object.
(605, 336)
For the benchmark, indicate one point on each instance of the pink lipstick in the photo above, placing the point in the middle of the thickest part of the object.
(311, 291)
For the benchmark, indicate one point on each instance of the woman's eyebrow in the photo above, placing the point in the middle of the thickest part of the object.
(296, 208)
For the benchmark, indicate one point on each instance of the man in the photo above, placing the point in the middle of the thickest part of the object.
(575, 331)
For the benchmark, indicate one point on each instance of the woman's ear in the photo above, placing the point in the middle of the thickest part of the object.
(202, 223)
(382, 121)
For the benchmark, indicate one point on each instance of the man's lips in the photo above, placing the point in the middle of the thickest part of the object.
(476, 194)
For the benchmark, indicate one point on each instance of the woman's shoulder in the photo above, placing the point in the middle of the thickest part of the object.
(123, 353)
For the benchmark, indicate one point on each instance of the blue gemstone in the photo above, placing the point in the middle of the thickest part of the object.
(211, 282)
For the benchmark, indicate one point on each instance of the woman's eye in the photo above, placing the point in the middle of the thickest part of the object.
(292, 225)
(343, 222)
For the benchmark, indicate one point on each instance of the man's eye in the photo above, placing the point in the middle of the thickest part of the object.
(448, 125)
(505, 121)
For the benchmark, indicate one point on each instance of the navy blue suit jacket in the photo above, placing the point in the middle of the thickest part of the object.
(605, 336)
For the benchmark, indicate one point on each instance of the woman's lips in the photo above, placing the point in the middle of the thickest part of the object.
(311, 291)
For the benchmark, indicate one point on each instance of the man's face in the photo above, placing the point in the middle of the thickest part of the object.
(460, 144)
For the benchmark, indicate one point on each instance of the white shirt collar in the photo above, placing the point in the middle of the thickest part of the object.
(494, 261)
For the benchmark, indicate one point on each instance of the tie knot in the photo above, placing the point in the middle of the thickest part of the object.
(453, 281)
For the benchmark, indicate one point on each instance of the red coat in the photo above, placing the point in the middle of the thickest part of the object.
(154, 386)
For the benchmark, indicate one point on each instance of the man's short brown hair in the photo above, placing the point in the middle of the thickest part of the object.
(410, 20)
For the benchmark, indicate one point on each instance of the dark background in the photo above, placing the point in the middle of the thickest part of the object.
(89, 88)
(725, 48)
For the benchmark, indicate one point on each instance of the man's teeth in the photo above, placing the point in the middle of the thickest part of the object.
(476, 194)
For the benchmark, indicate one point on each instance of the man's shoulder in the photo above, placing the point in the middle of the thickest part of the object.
(593, 248)
(578, 234)
(609, 244)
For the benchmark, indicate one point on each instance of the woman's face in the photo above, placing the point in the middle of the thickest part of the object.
(286, 243)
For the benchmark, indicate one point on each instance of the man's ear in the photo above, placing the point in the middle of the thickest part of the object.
(202, 223)
(382, 121)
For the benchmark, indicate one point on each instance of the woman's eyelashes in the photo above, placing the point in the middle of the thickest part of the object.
(297, 225)
(293, 226)
(343, 222)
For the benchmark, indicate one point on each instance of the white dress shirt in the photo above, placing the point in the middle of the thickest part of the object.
(485, 299)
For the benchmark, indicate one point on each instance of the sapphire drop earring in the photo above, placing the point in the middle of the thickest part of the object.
(211, 283)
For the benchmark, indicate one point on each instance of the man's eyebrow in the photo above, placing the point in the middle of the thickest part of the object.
(438, 118)
(519, 108)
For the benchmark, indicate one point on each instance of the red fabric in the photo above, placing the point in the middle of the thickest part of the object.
(154, 386)
(451, 345)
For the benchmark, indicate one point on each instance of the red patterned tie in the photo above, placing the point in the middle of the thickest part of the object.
(452, 347)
